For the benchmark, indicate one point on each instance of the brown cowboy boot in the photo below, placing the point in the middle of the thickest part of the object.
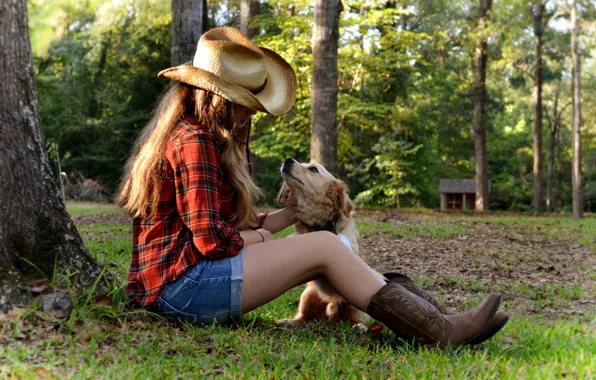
(407, 314)
(499, 321)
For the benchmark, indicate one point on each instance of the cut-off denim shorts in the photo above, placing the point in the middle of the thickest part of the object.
(210, 291)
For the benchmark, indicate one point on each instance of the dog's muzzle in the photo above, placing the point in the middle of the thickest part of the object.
(287, 165)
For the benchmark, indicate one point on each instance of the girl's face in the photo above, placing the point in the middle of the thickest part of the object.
(241, 115)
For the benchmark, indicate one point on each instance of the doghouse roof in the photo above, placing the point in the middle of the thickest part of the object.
(458, 185)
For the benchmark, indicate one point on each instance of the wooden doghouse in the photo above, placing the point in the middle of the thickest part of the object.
(458, 194)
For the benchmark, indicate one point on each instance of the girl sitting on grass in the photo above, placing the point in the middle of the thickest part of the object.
(200, 252)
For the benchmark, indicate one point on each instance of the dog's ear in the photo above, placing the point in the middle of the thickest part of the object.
(337, 191)
(285, 195)
(349, 207)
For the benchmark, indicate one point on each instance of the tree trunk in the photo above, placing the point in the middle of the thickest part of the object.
(36, 232)
(189, 22)
(576, 140)
(551, 164)
(248, 10)
(480, 68)
(551, 153)
(103, 53)
(323, 145)
(538, 10)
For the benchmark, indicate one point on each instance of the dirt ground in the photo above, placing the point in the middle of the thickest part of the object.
(536, 272)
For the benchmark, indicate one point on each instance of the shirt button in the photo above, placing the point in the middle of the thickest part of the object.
(219, 225)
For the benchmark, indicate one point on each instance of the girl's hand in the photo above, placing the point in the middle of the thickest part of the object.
(280, 219)
(267, 235)
(256, 236)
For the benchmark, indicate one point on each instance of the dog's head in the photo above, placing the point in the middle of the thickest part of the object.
(313, 191)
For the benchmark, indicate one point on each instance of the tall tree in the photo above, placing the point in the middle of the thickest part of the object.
(248, 10)
(101, 64)
(576, 140)
(554, 122)
(323, 96)
(36, 232)
(480, 68)
(189, 22)
(537, 18)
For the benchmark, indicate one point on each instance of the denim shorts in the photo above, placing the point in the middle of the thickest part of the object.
(210, 291)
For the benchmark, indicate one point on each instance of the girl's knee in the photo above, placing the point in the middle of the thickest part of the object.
(328, 244)
(324, 238)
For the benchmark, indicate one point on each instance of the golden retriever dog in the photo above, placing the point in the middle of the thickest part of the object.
(321, 202)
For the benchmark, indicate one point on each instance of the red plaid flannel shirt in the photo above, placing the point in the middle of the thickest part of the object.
(192, 221)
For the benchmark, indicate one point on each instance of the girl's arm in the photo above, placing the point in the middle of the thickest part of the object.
(274, 221)
(254, 237)
(278, 220)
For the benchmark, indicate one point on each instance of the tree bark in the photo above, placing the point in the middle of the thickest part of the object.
(248, 10)
(189, 22)
(480, 68)
(576, 138)
(323, 96)
(551, 153)
(103, 53)
(36, 233)
(537, 15)
(551, 165)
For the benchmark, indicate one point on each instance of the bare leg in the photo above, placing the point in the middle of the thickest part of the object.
(274, 267)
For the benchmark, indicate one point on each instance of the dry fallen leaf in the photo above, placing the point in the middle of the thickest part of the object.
(211, 349)
(58, 314)
(376, 328)
(39, 289)
(218, 371)
(15, 314)
(103, 300)
(43, 373)
(38, 282)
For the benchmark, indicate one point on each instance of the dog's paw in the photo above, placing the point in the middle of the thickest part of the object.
(289, 323)
(361, 327)
(331, 310)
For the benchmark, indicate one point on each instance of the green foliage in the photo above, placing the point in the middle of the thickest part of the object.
(385, 174)
(93, 84)
(405, 90)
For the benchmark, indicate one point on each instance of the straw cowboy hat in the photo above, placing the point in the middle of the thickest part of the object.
(230, 65)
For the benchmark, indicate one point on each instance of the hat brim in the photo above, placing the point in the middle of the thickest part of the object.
(277, 96)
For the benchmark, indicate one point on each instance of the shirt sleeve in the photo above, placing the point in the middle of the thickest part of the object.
(198, 175)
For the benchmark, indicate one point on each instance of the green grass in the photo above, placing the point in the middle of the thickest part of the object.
(87, 208)
(581, 230)
(109, 243)
(138, 347)
(111, 340)
(433, 232)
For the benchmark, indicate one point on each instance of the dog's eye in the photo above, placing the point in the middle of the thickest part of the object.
(313, 169)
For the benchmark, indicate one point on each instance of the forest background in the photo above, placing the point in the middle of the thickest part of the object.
(405, 93)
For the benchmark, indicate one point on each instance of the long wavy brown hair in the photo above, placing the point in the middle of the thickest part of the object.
(141, 184)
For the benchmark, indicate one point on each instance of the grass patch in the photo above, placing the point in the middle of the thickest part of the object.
(433, 232)
(88, 208)
(138, 347)
(109, 244)
(581, 230)
(111, 340)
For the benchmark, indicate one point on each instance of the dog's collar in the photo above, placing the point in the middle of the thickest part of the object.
(329, 226)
